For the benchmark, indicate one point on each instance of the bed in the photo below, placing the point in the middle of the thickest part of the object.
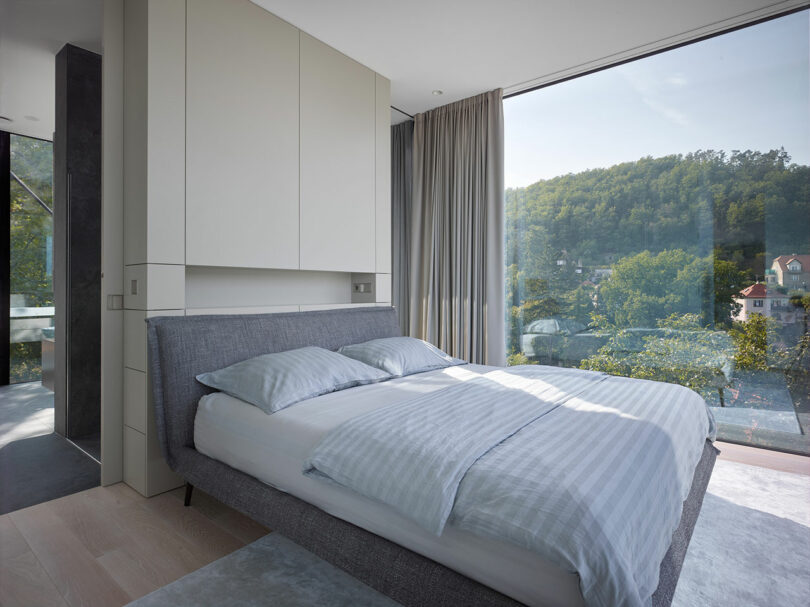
(262, 477)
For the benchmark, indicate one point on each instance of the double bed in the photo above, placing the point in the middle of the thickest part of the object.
(254, 462)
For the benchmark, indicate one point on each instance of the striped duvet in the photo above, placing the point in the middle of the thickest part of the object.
(588, 470)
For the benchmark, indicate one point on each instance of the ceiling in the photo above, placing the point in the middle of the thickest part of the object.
(31, 33)
(461, 47)
(465, 47)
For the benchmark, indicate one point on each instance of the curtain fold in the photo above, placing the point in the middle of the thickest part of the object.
(401, 193)
(456, 272)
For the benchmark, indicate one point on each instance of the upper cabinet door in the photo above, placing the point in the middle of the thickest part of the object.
(337, 161)
(241, 137)
(383, 174)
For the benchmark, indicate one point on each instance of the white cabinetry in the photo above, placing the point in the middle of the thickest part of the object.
(337, 161)
(241, 137)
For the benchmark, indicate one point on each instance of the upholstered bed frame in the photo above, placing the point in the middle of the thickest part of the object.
(182, 347)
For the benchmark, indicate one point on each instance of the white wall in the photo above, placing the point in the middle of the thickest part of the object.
(256, 167)
(112, 260)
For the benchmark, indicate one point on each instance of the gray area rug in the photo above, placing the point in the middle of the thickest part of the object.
(37, 465)
(751, 545)
(270, 571)
(43, 468)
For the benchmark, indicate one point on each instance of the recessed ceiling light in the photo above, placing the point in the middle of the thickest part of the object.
(438, 92)
(31, 118)
(6, 118)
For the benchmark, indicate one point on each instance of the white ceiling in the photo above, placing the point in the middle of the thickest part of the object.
(462, 47)
(465, 47)
(31, 33)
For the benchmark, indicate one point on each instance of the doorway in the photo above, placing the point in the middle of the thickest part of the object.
(39, 460)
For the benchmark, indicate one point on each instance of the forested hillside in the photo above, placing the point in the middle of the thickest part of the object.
(681, 234)
(749, 205)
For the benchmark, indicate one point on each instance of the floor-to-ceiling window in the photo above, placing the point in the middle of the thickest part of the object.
(658, 225)
(31, 256)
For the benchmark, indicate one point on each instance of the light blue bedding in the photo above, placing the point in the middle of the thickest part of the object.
(588, 470)
(400, 356)
(275, 381)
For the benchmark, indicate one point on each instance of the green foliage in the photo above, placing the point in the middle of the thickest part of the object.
(646, 287)
(31, 225)
(25, 363)
(759, 345)
(694, 202)
(728, 280)
(518, 359)
(684, 233)
(680, 351)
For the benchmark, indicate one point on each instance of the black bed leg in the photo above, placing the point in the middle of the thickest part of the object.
(189, 489)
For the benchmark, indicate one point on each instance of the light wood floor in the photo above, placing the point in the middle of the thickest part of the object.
(764, 458)
(108, 546)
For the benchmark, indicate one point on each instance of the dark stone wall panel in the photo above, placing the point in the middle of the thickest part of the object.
(77, 241)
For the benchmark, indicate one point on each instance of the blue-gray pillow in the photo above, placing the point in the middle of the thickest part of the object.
(400, 356)
(275, 381)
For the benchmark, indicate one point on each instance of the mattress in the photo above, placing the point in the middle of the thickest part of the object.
(273, 448)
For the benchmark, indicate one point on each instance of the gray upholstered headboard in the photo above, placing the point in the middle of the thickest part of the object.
(182, 347)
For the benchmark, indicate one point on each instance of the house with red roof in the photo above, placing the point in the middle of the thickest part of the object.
(759, 299)
(791, 272)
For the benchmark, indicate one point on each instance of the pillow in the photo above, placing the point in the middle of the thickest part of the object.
(400, 355)
(275, 381)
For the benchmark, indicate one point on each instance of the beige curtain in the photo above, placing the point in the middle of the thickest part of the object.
(401, 201)
(457, 229)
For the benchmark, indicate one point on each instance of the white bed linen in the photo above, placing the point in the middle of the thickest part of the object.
(273, 448)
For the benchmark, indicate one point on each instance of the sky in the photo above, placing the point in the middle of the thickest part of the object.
(748, 89)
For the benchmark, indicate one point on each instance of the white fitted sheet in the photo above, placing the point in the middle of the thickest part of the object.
(273, 448)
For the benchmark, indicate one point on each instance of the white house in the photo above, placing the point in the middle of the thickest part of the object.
(759, 299)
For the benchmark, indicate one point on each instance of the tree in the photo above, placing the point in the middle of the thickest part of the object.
(31, 225)
(728, 281)
(680, 351)
(646, 287)
(759, 347)
(31, 237)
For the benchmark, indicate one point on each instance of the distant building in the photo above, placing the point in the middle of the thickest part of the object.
(759, 299)
(790, 271)
(601, 273)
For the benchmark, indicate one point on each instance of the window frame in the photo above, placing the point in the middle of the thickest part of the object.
(5, 257)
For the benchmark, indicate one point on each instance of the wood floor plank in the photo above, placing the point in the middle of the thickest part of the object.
(237, 524)
(80, 579)
(210, 540)
(764, 458)
(24, 583)
(12, 543)
(155, 542)
(136, 575)
(91, 522)
(109, 545)
(241, 527)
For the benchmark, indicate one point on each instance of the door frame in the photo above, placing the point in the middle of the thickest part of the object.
(5, 256)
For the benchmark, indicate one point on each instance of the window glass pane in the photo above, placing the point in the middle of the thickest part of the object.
(31, 255)
(658, 225)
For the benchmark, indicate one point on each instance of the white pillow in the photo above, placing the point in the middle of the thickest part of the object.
(275, 381)
(400, 356)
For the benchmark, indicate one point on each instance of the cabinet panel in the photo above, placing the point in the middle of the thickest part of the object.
(165, 157)
(337, 161)
(241, 137)
(383, 174)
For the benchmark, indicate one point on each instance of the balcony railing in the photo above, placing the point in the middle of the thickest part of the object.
(27, 323)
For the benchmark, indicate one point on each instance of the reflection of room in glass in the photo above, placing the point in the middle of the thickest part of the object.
(656, 231)
(31, 259)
